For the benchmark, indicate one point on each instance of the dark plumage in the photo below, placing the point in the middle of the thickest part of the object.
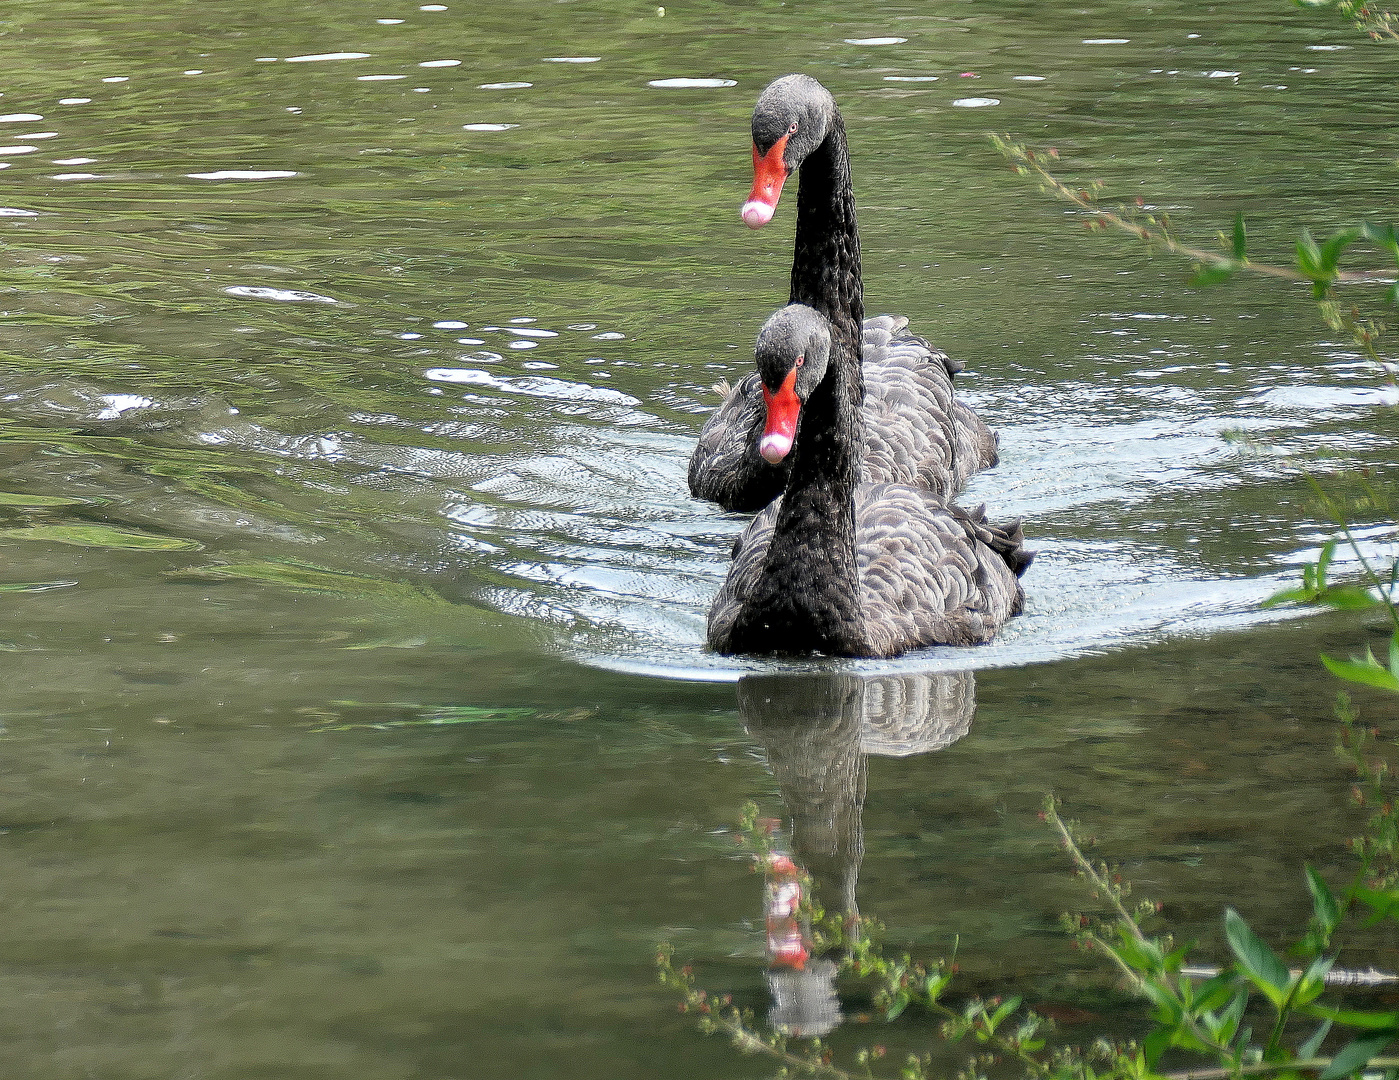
(916, 432)
(851, 569)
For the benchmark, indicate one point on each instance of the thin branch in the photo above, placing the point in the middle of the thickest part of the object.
(1026, 161)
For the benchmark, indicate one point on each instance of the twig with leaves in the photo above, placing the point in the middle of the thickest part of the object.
(1379, 24)
(1317, 261)
(1191, 1015)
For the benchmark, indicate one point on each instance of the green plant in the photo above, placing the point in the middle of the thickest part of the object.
(1377, 23)
(1317, 261)
(1207, 1017)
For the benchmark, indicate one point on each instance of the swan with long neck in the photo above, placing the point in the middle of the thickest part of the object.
(916, 432)
(848, 569)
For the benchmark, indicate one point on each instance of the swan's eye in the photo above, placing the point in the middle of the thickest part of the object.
(801, 360)
(792, 128)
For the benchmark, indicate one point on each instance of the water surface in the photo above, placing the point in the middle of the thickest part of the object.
(358, 718)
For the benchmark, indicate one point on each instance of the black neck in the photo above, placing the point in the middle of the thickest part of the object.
(826, 260)
(808, 598)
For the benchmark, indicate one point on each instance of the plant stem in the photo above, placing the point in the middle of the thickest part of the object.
(1025, 160)
(1262, 1068)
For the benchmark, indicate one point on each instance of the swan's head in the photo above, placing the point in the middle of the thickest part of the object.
(794, 347)
(791, 119)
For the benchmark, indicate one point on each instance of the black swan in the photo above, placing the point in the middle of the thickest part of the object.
(843, 568)
(916, 431)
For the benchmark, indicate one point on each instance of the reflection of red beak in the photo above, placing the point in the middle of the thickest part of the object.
(786, 941)
(783, 409)
(769, 174)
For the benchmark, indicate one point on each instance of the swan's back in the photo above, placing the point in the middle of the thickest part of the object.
(930, 573)
(916, 431)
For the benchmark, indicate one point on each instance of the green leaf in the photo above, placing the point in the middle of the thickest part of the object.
(1309, 1048)
(1142, 955)
(1211, 274)
(1258, 963)
(1313, 981)
(1007, 1007)
(1356, 1018)
(1367, 672)
(1357, 1054)
(1304, 595)
(1346, 598)
(1308, 254)
(1240, 237)
(1323, 561)
(1324, 906)
(1383, 235)
(1174, 960)
(935, 987)
(1335, 245)
(1232, 1016)
(1383, 902)
(103, 536)
(1156, 1044)
(897, 1004)
(1216, 991)
(1312, 263)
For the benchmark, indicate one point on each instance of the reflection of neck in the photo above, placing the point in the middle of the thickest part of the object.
(813, 602)
(810, 730)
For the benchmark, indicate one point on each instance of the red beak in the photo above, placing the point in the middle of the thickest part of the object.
(783, 409)
(769, 174)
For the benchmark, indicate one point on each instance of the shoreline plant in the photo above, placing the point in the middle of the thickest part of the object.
(1257, 1017)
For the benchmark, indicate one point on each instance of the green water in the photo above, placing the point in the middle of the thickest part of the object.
(356, 720)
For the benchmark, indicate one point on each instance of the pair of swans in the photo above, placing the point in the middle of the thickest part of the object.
(863, 554)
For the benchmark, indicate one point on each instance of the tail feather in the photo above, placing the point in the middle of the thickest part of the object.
(1005, 538)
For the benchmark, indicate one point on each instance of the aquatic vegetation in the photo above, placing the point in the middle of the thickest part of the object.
(1256, 1017)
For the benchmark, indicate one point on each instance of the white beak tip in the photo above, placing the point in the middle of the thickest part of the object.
(774, 448)
(756, 214)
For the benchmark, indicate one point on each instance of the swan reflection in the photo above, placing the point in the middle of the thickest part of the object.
(818, 730)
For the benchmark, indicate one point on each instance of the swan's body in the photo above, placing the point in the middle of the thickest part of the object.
(916, 431)
(837, 567)
(851, 569)
(929, 574)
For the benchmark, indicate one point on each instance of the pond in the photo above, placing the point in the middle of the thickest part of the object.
(357, 720)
